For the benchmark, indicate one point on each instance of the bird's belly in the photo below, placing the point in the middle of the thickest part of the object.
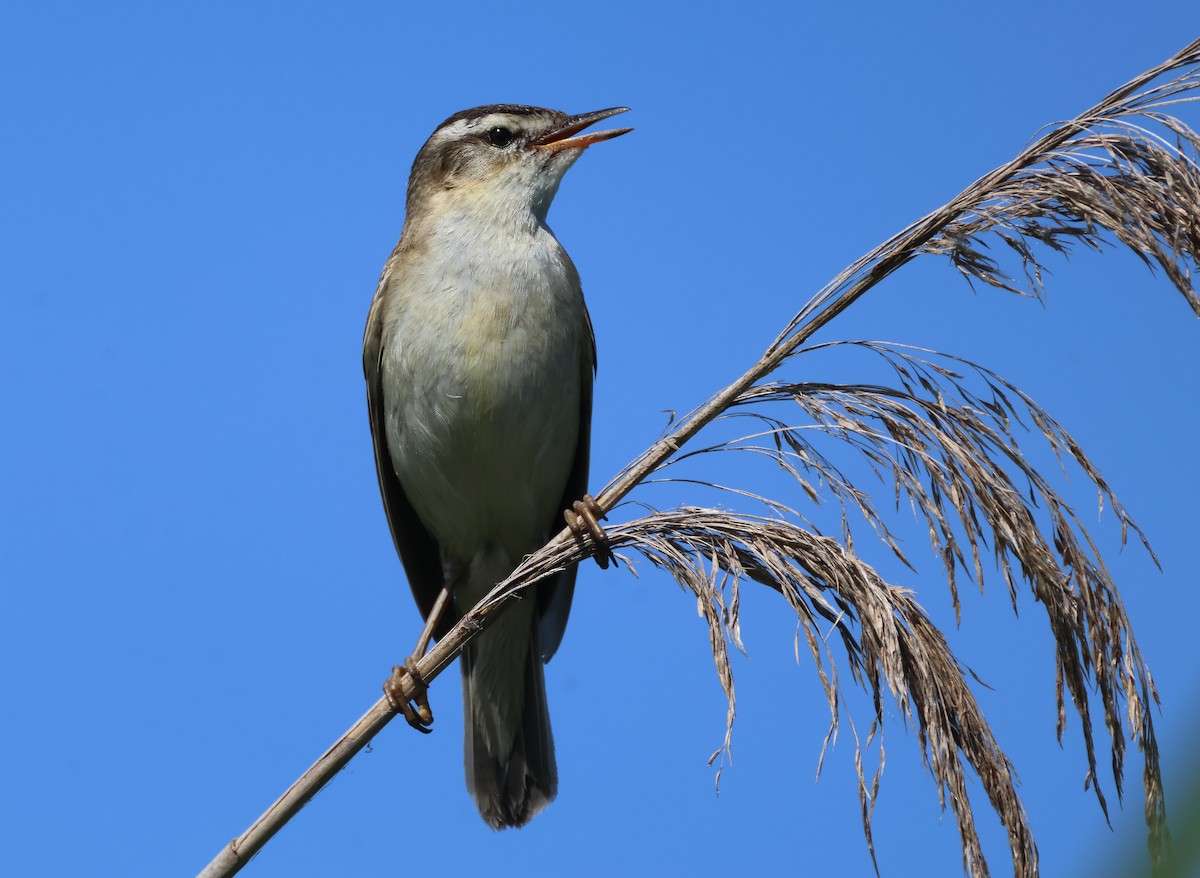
(484, 419)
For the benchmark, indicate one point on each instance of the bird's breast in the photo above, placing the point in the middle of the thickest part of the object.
(486, 348)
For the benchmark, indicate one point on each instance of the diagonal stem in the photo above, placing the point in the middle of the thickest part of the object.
(872, 268)
(560, 551)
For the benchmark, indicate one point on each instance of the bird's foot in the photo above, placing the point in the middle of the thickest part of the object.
(419, 717)
(583, 518)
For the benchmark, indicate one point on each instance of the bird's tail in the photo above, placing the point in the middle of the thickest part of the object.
(510, 765)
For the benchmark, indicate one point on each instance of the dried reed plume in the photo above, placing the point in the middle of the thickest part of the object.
(944, 436)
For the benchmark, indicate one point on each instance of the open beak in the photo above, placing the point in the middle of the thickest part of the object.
(561, 138)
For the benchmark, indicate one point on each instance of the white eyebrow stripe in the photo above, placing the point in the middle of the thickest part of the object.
(462, 127)
(452, 132)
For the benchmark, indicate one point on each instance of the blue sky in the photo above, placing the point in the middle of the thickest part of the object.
(199, 590)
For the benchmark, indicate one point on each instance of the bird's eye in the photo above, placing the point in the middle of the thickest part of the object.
(499, 136)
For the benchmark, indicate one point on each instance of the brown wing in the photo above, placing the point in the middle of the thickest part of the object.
(554, 596)
(417, 549)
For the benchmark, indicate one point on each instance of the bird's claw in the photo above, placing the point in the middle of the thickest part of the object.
(419, 717)
(583, 518)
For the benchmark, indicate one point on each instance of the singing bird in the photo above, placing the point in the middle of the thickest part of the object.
(479, 359)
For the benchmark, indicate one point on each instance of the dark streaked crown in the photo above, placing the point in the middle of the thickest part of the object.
(506, 109)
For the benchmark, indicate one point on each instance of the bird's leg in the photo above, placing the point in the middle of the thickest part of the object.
(583, 518)
(420, 717)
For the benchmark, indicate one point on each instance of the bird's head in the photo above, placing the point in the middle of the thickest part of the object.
(502, 157)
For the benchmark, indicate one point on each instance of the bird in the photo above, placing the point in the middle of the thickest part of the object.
(479, 358)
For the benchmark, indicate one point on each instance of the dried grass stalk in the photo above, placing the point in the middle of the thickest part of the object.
(951, 451)
(888, 641)
(1123, 171)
